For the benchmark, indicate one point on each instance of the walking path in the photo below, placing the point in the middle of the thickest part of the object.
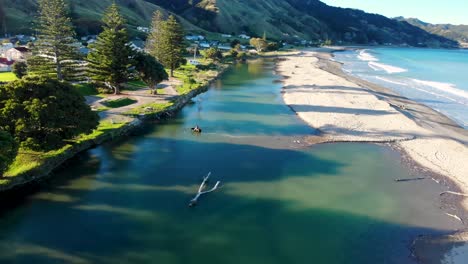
(142, 96)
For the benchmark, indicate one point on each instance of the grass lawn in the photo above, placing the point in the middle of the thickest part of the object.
(85, 89)
(134, 85)
(150, 108)
(119, 102)
(27, 159)
(7, 77)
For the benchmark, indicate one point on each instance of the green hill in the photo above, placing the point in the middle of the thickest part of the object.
(279, 19)
(455, 32)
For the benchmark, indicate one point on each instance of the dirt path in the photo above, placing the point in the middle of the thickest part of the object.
(142, 96)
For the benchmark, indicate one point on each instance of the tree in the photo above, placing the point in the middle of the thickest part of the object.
(150, 70)
(20, 69)
(168, 43)
(8, 150)
(259, 44)
(212, 53)
(54, 48)
(234, 43)
(40, 113)
(109, 58)
(3, 25)
(153, 41)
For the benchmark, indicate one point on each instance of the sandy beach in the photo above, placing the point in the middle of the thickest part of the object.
(347, 109)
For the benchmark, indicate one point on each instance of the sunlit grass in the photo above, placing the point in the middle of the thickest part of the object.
(152, 108)
(85, 89)
(121, 102)
(7, 77)
(28, 160)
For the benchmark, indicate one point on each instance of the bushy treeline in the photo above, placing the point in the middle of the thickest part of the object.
(42, 110)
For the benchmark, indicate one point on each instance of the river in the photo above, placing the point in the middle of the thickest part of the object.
(280, 202)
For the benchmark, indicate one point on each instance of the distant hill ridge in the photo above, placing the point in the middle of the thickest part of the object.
(279, 19)
(455, 32)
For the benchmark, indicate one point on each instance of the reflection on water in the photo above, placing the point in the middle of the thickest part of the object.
(126, 202)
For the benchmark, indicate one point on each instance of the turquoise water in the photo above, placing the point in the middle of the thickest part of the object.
(435, 77)
(126, 201)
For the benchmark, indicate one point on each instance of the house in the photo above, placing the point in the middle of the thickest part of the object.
(194, 37)
(204, 45)
(137, 45)
(226, 36)
(143, 29)
(4, 47)
(194, 62)
(5, 64)
(224, 47)
(18, 53)
(244, 36)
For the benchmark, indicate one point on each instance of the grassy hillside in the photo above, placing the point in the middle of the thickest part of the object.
(86, 14)
(279, 19)
(455, 32)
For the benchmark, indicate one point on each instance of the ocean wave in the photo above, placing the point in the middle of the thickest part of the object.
(384, 67)
(445, 87)
(365, 56)
(391, 81)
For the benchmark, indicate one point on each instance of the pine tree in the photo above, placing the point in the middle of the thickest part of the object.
(169, 44)
(54, 53)
(153, 42)
(109, 57)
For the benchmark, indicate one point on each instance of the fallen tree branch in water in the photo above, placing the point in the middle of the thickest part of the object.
(194, 201)
(410, 179)
(454, 193)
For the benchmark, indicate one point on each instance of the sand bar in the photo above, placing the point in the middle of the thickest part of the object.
(345, 108)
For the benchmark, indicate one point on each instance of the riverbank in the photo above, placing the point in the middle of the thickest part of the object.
(346, 109)
(30, 167)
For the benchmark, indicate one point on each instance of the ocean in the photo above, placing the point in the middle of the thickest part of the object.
(437, 78)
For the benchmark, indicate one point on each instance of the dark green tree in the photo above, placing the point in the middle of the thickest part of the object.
(109, 59)
(40, 113)
(212, 53)
(20, 69)
(150, 70)
(54, 50)
(234, 43)
(8, 150)
(169, 46)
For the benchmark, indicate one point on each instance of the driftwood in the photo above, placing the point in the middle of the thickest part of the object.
(410, 179)
(194, 201)
(455, 216)
(454, 193)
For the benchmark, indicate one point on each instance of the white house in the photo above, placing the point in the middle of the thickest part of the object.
(226, 36)
(18, 53)
(4, 47)
(143, 29)
(244, 36)
(5, 64)
(194, 37)
(204, 45)
(224, 47)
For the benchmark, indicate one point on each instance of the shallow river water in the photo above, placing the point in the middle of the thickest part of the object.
(279, 202)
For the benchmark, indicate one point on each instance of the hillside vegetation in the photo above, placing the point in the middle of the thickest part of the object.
(455, 32)
(279, 19)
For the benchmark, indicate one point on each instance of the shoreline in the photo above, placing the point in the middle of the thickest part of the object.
(344, 108)
(35, 175)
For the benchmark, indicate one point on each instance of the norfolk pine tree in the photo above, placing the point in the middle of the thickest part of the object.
(109, 58)
(153, 42)
(168, 43)
(54, 50)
